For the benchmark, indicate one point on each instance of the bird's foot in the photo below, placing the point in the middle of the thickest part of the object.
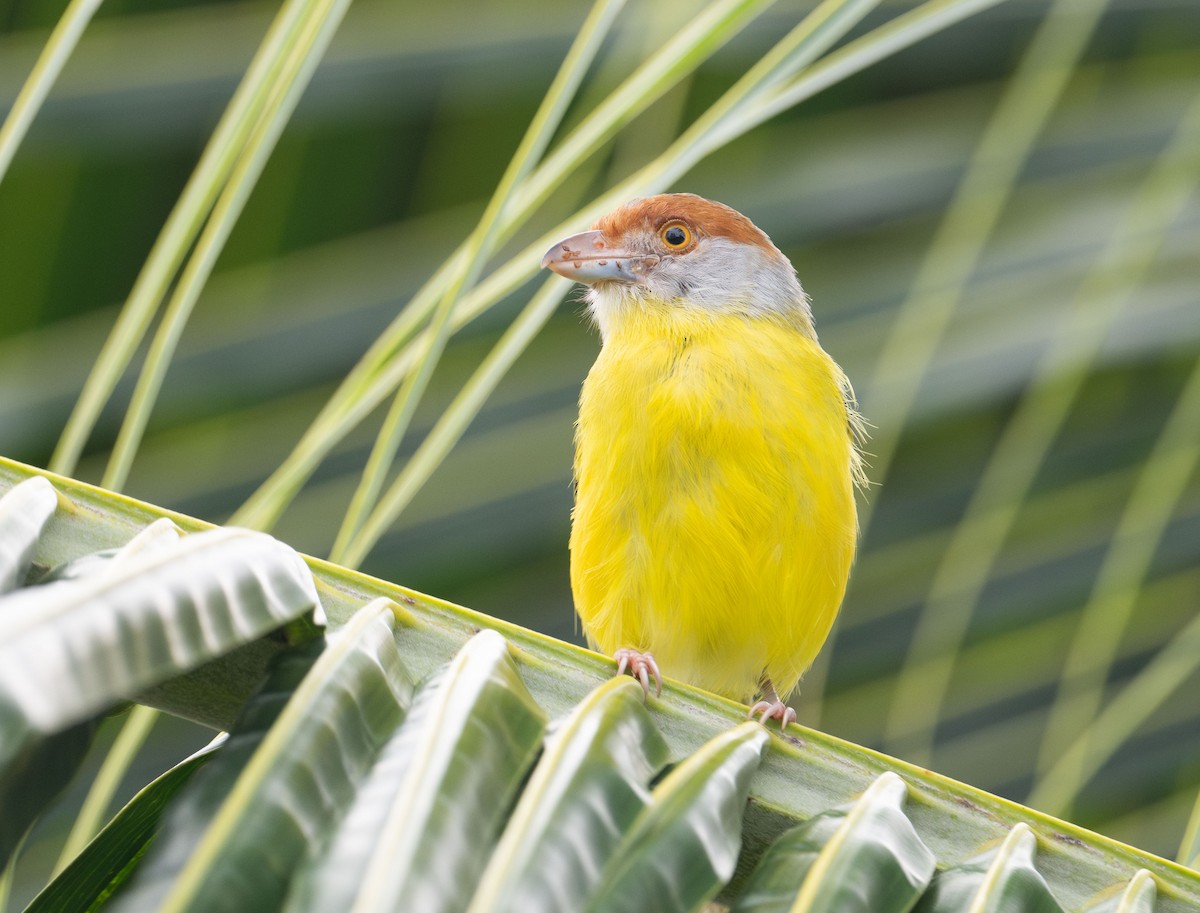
(773, 710)
(641, 666)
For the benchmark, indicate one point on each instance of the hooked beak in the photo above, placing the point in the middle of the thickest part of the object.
(587, 258)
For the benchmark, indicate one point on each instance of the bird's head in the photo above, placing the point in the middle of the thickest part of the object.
(681, 250)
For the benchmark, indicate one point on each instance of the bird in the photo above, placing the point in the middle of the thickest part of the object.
(716, 455)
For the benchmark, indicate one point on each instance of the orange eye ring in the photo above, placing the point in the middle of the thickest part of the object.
(676, 235)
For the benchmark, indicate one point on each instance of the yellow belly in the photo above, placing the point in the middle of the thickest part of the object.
(714, 523)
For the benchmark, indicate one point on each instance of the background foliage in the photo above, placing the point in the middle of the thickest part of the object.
(1058, 363)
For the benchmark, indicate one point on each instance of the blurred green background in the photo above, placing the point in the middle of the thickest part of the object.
(388, 162)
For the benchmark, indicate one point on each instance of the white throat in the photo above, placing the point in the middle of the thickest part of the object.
(719, 276)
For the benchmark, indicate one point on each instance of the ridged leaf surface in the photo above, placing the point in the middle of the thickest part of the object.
(864, 857)
(1001, 880)
(159, 536)
(73, 647)
(35, 764)
(674, 852)
(1136, 897)
(190, 816)
(109, 858)
(589, 787)
(422, 829)
(298, 780)
(683, 847)
(23, 513)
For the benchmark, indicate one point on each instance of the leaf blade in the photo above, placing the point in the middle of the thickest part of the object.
(72, 648)
(100, 868)
(463, 750)
(319, 747)
(1003, 878)
(589, 786)
(864, 856)
(684, 846)
(24, 511)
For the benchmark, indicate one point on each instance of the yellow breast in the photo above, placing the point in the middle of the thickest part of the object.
(714, 523)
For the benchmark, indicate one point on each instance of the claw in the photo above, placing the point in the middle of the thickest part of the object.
(653, 664)
(641, 666)
(773, 710)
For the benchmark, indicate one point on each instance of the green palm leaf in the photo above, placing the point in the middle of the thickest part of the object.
(586, 792)
(1004, 878)
(865, 856)
(1082, 585)
(319, 747)
(680, 846)
(23, 513)
(71, 648)
(111, 855)
(684, 845)
(1138, 897)
(421, 832)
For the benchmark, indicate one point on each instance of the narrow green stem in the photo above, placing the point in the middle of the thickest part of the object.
(49, 65)
(458, 416)
(479, 247)
(135, 728)
(368, 385)
(9, 873)
(679, 57)
(454, 421)
(177, 235)
(739, 109)
(385, 365)
(374, 377)
(356, 397)
(1171, 667)
(1189, 845)
(292, 78)
(1016, 457)
(1160, 485)
(1032, 93)
(923, 317)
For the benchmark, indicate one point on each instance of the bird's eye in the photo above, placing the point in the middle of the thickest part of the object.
(676, 235)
